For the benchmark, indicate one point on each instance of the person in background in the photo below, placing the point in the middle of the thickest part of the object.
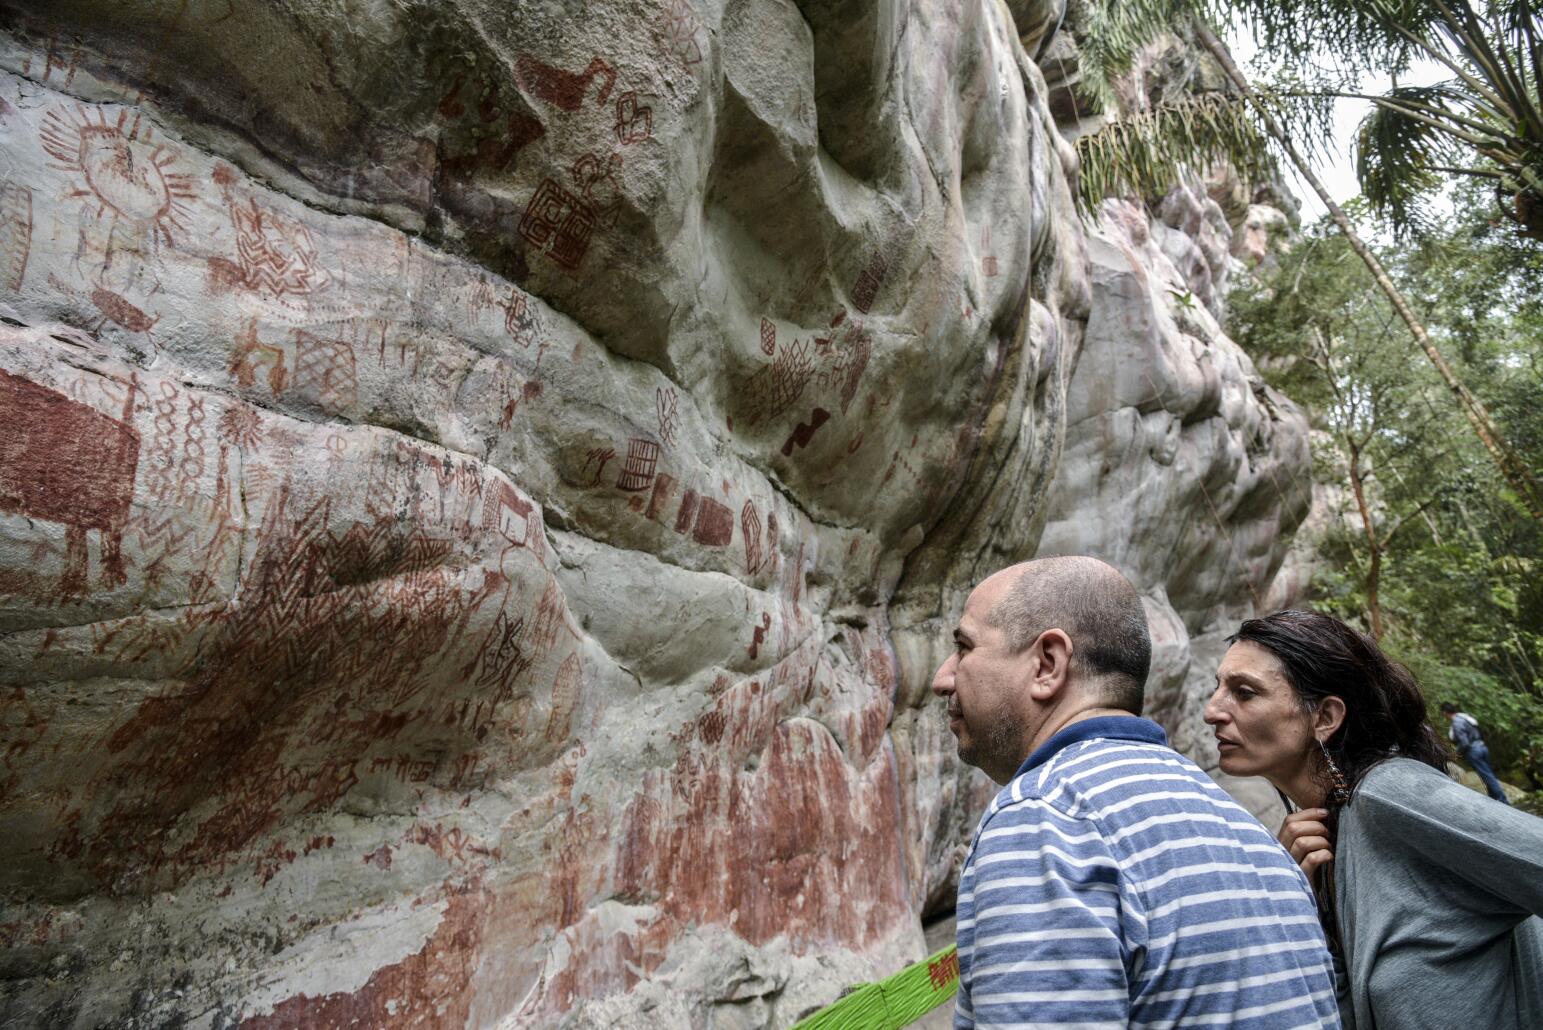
(1429, 894)
(1470, 744)
(1110, 883)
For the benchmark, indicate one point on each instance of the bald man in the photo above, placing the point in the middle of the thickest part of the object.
(1110, 883)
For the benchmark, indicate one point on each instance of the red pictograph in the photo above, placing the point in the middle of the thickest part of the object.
(866, 289)
(560, 87)
(638, 471)
(62, 461)
(634, 119)
(558, 224)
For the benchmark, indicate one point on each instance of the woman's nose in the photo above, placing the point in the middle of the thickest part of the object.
(1212, 713)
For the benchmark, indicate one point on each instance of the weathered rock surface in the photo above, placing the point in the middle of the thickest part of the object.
(484, 487)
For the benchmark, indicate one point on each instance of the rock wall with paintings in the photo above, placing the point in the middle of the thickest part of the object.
(484, 487)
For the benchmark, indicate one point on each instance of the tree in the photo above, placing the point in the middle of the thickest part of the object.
(1429, 558)
(1516, 471)
(1485, 122)
(1345, 359)
(1131, 151)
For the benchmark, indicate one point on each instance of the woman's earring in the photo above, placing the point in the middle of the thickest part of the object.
(1339, 792)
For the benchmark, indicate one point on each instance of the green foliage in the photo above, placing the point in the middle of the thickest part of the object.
(1109, 35)
(1460, 588)
(1144, 154)
(1485, 122)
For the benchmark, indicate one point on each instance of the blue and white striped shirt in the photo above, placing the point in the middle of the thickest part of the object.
(1114, 884)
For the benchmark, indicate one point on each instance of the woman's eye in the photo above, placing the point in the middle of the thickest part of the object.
(1244, 694)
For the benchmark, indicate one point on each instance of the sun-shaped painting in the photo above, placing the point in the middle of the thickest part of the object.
(121, 168)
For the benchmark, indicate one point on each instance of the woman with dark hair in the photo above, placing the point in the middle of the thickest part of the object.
(1428, 892)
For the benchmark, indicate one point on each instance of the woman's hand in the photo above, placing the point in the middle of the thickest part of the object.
(1306, 835)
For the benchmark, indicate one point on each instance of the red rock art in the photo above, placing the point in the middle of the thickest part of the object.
(597, 456)
(121, 170)
(252, 358)
(750, 531)
(667, 404)
(664, 487)
(278, 708)
(679, 31)
(869, 282)
(62, 461)
(510, 515)
(491, 150)
(758, 637)
(455, 845)
(804, 432)
(429, 988)
(520, 320)
(988, 262)
(499, 660)
(768, 338)
(551, 620)
(565, 700)
(405, 768)
(827, 875)
(638, 471)
(15, 234)
(275, 256)
(846, 359)
(560, 88)
(772, 541)
(119, 311)
(777, 386)
(634, 119)
(714, 523)
(687, 512)
(593, 174)
(558, 224)
(21, 726)
(325, 372)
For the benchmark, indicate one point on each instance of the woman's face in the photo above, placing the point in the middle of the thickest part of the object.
(1261, 728)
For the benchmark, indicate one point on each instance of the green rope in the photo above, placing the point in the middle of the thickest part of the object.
(894, 1002)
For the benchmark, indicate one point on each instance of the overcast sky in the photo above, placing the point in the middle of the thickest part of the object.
(1336, 166)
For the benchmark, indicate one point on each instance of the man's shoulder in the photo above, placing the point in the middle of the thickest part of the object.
(1101, 762)
(1089, 777)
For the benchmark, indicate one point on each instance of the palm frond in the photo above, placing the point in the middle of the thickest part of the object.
(1144, 154)
(1110, 34)
(1396, 156)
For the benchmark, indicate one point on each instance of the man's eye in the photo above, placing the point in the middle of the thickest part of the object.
(1244, 694)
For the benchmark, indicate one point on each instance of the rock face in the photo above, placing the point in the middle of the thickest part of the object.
(484, 488)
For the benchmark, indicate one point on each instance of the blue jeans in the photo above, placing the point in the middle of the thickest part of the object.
(1478, 757)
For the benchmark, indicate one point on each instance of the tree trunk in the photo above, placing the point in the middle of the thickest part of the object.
(1511, 466)
(1373, 545)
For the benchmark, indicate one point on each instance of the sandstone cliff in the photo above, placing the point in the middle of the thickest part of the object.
(484, 488)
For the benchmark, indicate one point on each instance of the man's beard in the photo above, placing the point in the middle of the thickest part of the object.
(997, 747)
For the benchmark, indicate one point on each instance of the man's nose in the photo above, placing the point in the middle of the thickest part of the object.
(943, 679)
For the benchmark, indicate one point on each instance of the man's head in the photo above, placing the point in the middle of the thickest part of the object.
(1448, 709)
(1040, 644)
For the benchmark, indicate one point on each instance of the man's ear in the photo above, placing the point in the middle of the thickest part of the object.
(1050, 662)
(1329, 717)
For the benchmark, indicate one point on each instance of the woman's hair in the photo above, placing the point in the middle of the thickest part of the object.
(1384, 709)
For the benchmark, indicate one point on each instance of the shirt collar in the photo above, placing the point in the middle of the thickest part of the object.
(1110, 727)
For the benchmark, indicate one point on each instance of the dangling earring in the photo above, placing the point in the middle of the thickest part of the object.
(1339, 792)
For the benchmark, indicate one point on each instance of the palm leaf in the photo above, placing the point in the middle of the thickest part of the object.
(1144, 154)
(1396, 155)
